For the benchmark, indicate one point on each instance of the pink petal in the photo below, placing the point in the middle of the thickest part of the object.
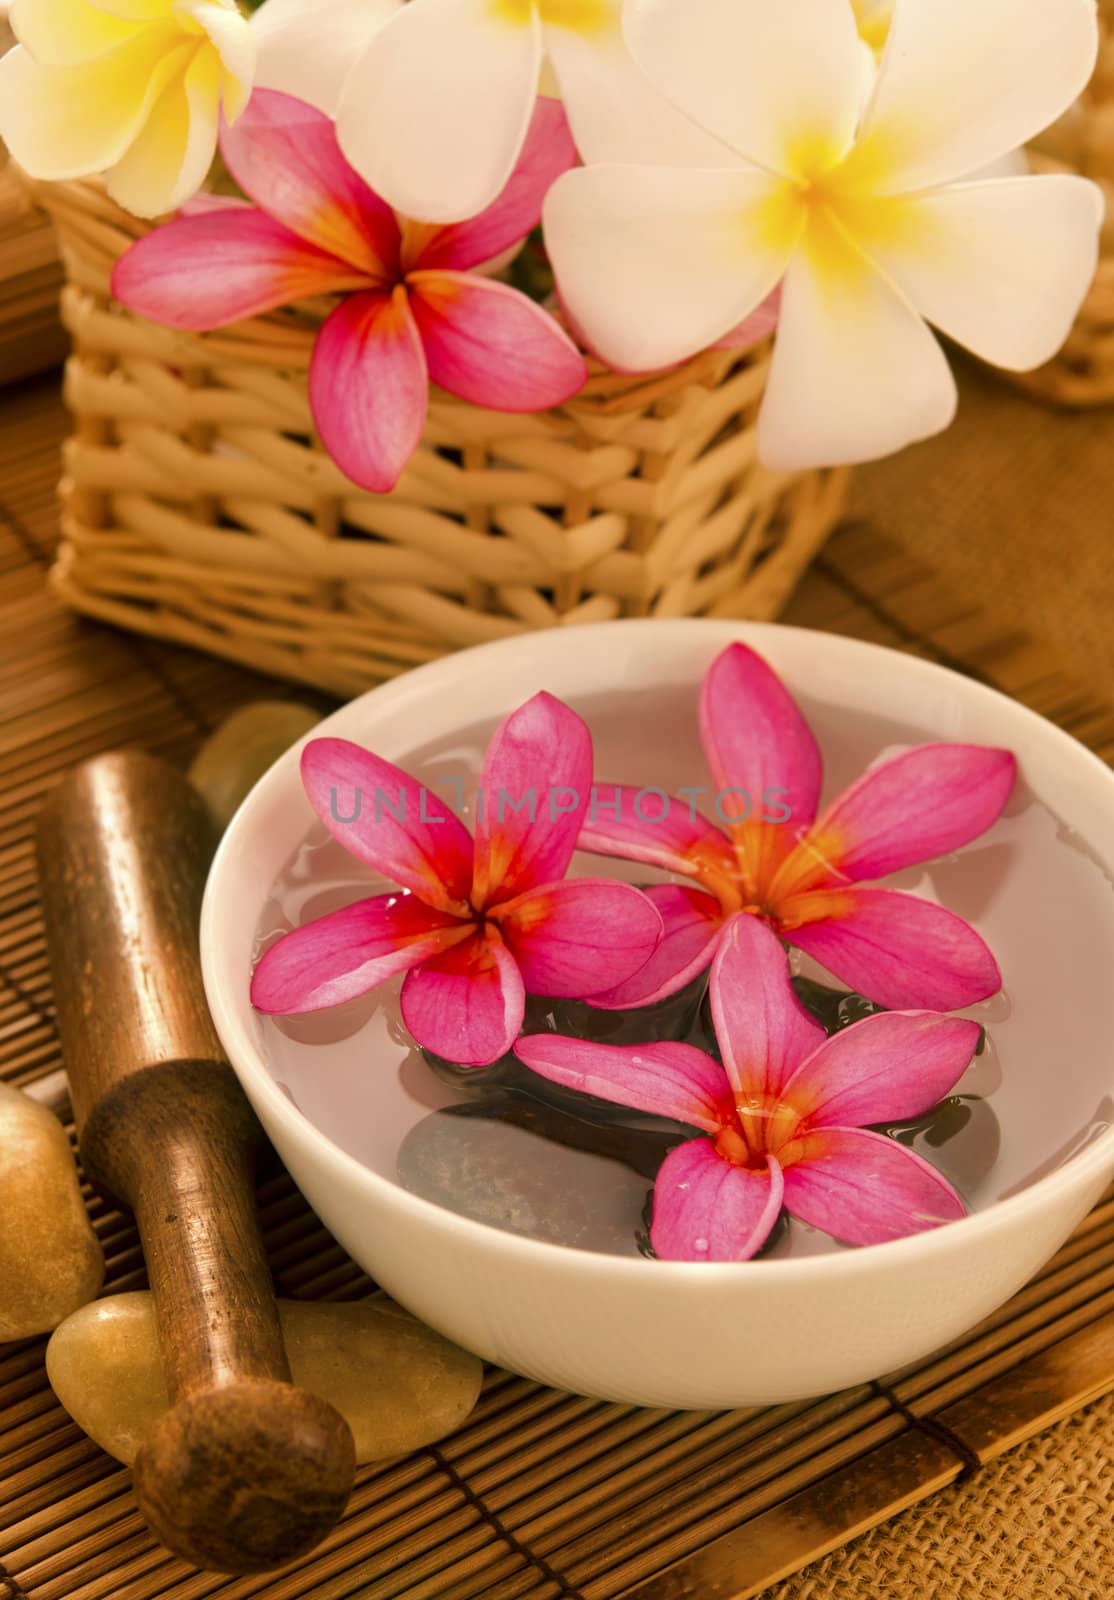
(897, 949)
(284, 154)
(548, 152)
(706, 1209)
(753, 329)
(570, 937)
(763, 1031)
(667, 1080)
(692, 928)
(924, 803)
(208, 270)
(205, 205)
(758, 744)
(534, 790)
(863, 1188)
(639, 825)
(369, 389)
(887, 1067)
(350, 951)
(466, 1005)
(391, 821)
(489, 344)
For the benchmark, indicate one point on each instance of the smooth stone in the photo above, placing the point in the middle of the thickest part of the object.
(50, 1259)
(396, 1383)
(534, 1170)
(234, 758)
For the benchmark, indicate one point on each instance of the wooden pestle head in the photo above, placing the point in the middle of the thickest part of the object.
(246, 1472)
(247, 1477)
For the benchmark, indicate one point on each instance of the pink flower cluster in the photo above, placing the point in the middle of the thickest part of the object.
(418, 306)
(785, 1120)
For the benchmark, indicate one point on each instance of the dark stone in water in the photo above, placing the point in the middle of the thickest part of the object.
(961, 1137)
(533, 1158)
(834, 1009)
(669, 1019)
(532, 1169)
(642, 1148)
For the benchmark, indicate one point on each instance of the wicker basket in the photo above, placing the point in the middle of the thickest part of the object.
(1083, 141)
(198, 505)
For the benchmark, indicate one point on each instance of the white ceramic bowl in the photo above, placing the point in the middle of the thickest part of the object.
(654, 1333)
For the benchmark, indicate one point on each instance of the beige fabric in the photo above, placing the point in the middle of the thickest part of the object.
(1015, 506)
(1035, 1526)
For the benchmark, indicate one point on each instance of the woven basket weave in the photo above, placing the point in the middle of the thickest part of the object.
(1083, 141)
(199, 506)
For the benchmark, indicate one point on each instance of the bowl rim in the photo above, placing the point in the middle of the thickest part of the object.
(1074, 1175)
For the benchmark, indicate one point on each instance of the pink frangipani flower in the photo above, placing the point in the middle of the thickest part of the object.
(418, 313)
(802, 876)
(785, 1117)
(476, 922)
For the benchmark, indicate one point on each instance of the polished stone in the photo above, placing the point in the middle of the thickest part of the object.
(248, 742)
(50, 1260)
(397, 1384)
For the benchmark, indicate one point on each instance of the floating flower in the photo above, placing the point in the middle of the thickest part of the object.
(785, 1117)
(418, 313)
(478, 922)
(802, 876)
(132, 88)
(850, 200)
(435, 105)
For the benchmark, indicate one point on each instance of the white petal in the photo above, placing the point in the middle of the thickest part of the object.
(964, 81)
(1001, 267)
(234, 43)
(67, 122)
(59, 33)
(170, 159)
(780, 81)
(615, 112)
(856, 373)
(307, 47)
(656, 263)
(434, 113)
(1014, 164)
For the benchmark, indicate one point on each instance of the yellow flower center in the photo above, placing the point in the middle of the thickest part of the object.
(578, 16)
(762, 1126)
(832, 211)
(873, 20)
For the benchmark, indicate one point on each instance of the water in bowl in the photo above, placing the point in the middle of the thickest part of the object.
(1038, 1091)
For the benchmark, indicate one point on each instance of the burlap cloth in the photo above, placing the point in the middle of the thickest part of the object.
(1015, 505)
(1035, 1526)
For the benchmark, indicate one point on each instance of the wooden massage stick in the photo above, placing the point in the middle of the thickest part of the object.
(246, 1472)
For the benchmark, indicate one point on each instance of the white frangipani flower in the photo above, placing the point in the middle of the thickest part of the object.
(436, 107)
(132, 88)
(873, 18)
(855, 210)
(307, 47)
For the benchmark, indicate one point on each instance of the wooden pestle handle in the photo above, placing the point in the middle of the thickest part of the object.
(246, 1472)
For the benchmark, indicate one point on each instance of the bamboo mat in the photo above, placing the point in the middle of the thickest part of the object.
(31, 334)
(543, 1496)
